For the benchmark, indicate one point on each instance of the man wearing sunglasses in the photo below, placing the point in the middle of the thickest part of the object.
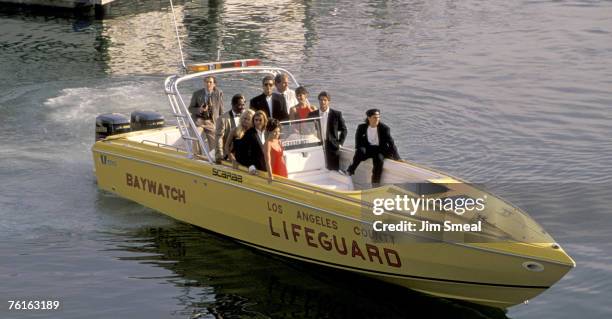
(273, 104)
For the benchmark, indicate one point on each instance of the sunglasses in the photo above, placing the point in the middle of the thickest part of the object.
(269, 84)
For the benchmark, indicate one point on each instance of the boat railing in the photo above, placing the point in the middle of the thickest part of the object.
(308, 119)
(187, 128)
(159, 144)
(237, 69)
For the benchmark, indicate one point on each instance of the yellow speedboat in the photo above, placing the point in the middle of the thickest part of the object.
(492, 254)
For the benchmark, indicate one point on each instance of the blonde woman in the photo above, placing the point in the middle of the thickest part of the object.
(236, 135)
(250, 150)
(273, 151)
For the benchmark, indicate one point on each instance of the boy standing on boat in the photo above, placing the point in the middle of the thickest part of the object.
(373, 140)
(333, 131)
(206, 106)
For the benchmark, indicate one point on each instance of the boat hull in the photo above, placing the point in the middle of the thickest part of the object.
(301, 223)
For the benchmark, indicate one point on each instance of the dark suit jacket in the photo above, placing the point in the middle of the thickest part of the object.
(215, 101)
(279, 106)
(249, 151)
(385, 141)
(336, 129)
(334, 137)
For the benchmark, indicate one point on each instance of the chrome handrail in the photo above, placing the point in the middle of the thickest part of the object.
(187, 127)
(246, 69)
(160, 144)
(301, 120)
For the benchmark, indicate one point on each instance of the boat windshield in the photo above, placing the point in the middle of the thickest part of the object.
(454, 204)
(300, 134)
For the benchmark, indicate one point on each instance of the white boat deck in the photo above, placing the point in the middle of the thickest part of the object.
(307, 165)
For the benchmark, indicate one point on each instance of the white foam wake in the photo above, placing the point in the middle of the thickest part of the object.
(79, 105)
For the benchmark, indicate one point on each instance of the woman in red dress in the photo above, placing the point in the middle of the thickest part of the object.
(273, 152)
(301, 110)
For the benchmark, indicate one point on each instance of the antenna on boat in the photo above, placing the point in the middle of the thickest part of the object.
(178, 39)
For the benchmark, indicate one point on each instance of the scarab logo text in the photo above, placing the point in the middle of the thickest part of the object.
(227, 175)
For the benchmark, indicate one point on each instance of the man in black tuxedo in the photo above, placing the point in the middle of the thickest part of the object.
(273, 104)
(333, 131)
(373, 140)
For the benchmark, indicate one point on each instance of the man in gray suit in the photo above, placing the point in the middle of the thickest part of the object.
(206, 107)
(226, 123)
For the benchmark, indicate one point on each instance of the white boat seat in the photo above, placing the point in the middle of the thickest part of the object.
(304, 160)
(324, 178)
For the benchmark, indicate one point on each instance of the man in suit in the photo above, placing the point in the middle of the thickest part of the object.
(373, 140)
(273, 104)
(333, 131)
(206, 106)
(281, 81)
(226, 123)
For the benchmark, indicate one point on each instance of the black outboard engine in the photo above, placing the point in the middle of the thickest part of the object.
(111, 124)
(144, 120)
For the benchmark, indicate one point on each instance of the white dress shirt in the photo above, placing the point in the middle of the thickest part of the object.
(324, 116)
(261, 135)
(290, 98)
(235, 118)
(269, 101)
(373, 135)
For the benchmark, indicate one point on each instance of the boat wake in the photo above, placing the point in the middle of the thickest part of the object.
(79, 106)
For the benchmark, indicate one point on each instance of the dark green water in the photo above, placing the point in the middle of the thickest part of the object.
(514, 95)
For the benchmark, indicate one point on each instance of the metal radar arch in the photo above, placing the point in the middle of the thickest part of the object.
(190, 133)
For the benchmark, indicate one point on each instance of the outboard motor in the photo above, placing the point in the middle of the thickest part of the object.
(145, 120)
(111, 124)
